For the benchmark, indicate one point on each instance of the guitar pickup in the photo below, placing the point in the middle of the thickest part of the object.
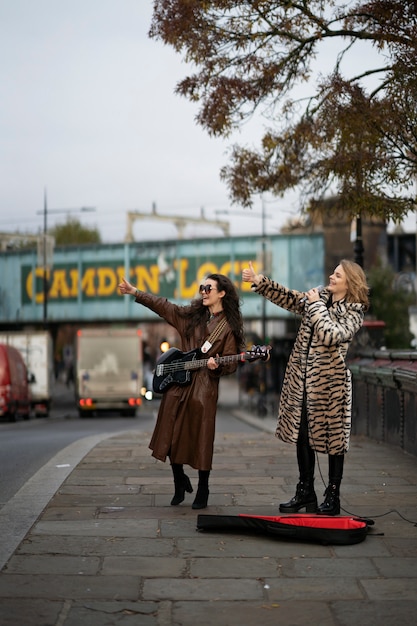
(167, 381)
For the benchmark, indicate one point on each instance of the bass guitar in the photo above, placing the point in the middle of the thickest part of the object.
(174, 367)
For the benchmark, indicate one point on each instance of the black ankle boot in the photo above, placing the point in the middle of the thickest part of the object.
(331, 504)
(201, 498)
(305, 497)
(182, 484)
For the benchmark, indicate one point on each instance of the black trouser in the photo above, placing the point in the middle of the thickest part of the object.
(336, 462)
(306, 456)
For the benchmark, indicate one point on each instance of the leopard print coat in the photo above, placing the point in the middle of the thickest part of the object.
(317, 366)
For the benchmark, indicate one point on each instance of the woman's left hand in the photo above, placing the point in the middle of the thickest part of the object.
(211, 363)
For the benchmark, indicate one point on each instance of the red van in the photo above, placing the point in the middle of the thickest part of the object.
(14, 388)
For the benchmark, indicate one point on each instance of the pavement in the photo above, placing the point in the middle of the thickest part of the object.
(92, 539)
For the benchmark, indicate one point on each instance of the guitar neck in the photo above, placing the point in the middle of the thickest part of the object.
(220, 360)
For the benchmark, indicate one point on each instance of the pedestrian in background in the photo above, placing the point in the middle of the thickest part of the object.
(316, 398)
(185, 426)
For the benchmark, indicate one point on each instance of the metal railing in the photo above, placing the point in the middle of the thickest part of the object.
(385, 396)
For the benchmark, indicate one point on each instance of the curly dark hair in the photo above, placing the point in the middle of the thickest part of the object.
(197, 313)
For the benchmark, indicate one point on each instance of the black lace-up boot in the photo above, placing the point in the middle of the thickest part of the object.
(305, 497)
(331, 504)
(182, 484)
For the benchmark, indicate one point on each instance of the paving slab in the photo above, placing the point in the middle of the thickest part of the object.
(106, 547)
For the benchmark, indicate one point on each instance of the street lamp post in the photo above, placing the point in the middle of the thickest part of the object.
(263, 410)
(45, 270)
(358, 247)
(45, 212)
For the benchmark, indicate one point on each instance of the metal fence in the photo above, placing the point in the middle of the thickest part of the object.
(385, 397)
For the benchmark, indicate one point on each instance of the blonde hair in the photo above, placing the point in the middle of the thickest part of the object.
(357, 287)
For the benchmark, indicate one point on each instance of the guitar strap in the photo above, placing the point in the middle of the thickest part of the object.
(215, 334)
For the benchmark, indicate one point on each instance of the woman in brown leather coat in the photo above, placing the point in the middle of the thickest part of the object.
(185, 427)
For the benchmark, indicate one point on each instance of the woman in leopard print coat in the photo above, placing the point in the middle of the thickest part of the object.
(316, 398)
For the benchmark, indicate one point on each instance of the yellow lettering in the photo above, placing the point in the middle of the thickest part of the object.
(87, 283)
(121, 273)
(233, 270)
(59, 287)
(229, 268)
(103, 281)
(147, 279)
(226, 269)
(184, 291)
(31, 284)
(206, 269)
(107, 281)
(73, 275)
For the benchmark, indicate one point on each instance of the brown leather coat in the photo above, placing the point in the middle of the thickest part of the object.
(185, 426)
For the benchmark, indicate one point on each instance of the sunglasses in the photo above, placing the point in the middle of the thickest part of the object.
(206, 288)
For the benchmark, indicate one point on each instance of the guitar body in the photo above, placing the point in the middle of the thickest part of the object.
(171, 369)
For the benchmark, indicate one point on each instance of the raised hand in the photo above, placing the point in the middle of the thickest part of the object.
(126, 288)
(249, 275)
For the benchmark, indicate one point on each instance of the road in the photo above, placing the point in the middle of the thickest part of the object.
(26, 446)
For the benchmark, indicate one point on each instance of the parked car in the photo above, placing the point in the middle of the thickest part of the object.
(36, 350)
(15, 396)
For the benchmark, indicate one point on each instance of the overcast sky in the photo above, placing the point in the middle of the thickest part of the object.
(88, 112)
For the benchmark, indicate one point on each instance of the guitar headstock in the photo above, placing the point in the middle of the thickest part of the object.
(258, 352)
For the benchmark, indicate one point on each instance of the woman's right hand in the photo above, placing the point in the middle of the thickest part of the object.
(126, 288)
(249, 276)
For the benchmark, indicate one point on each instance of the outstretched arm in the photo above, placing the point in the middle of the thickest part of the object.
(278, 294)
(159, 305)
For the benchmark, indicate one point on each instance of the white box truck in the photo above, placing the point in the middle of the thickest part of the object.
(109, 370)
(37, 352)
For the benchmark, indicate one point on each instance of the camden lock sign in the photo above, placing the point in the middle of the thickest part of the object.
(176, 279)
(84, 278)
